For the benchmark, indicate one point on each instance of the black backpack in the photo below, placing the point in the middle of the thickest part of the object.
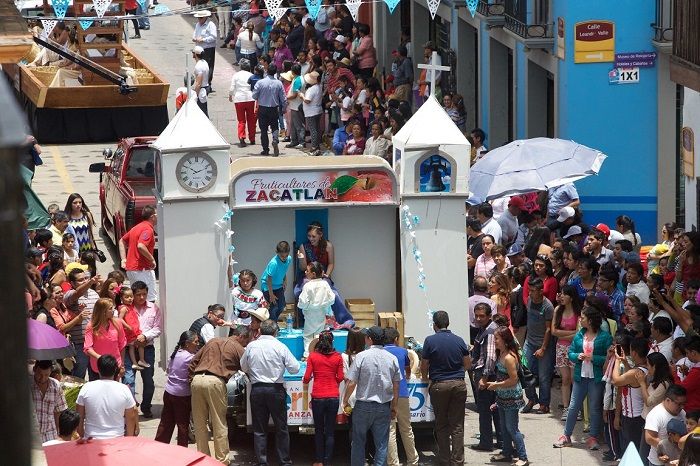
(518, 310)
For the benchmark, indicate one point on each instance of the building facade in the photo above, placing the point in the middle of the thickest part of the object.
(529, 68)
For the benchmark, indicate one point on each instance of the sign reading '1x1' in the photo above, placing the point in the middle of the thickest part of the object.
(635, 60)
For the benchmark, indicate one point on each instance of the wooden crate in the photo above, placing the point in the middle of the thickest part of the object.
(394, 320)
(362, 310)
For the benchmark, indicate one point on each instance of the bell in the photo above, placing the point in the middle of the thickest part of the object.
(435, 183)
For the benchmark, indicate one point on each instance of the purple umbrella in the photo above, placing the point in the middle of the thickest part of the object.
(45, 342)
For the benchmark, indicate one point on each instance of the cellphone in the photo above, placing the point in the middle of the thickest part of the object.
(618, 350)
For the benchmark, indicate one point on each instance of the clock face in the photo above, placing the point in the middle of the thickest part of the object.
(196, 172)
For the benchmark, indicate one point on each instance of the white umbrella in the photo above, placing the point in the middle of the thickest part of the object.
(529, 165)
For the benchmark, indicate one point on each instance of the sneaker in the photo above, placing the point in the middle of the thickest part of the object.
(609, 456)
(275, 150)
(299, 146)
(542, 410)
(143, 364)
(242, 143)
(137, 36)
(291, 146)
(521, 463)
(592, 443)
(579, 416)
(147, 413)
(564, 413)
(136, 367)
(265, 152)
(562, 442)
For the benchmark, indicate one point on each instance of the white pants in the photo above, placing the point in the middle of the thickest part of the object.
(146, 276)
(224, 14)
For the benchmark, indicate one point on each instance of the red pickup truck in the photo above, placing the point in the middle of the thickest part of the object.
(127, 181)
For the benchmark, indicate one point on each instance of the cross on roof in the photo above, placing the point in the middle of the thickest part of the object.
(431, 67)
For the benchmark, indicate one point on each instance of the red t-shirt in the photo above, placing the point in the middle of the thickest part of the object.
(327, 371)
(692, 385)
(141, 233)
(132, 320)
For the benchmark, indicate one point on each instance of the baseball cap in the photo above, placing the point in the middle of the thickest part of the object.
(573, 231)
(517, 201)
(198, 49)
(340, 38)
(260, 313)
(565, 213)
(630, 257)
(514, 250)
(375, 333)
(604, 228)
(676, 426)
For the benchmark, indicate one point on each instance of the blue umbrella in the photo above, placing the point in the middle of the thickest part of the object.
(529, 165)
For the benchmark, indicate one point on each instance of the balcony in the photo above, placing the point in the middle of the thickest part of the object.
(491, 11)
(685, 58)
(535, 32)
(663, 26)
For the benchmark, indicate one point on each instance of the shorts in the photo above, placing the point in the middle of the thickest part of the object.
(562, 356)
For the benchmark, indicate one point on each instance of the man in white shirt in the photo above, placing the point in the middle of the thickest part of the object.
(489, 226)
(657, 420)
(661, 330)
(265, 361)
(106, 405)
(204, 35)
(508, 221)
(201, 78)
(478, 136)
(594, 247)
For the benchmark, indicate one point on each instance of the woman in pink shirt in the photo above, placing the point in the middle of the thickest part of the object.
(365, 53)
(104, 335)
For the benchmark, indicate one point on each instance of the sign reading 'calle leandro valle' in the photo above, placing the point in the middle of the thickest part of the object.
(316, 187)
(594, 42)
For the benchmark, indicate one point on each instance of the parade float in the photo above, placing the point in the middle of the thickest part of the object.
(90, 87)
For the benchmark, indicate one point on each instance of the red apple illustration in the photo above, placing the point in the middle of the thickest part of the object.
(375, 186)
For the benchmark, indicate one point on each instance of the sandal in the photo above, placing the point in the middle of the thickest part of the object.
(501, 459)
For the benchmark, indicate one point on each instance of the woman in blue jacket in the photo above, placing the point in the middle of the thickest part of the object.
(588, 352)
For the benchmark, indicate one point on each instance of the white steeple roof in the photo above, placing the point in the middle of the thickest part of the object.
(190, 129)
(430, 126)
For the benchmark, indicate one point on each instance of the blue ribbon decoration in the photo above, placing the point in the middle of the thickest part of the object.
(85, 24)
(161, 9)
(410, 222)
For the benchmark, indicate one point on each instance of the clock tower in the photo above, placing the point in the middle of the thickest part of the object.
(192, 178)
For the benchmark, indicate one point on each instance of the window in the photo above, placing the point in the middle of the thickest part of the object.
(141, 164)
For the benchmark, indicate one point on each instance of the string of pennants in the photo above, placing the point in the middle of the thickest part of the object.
(274, 8)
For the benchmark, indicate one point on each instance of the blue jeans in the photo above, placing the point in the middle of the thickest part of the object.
(511, 434)
(543, 369)
(82, 361)
(275, 309)
(146, 377)
(324, 411)
(375, 417)
(594, 390)
(140, 9)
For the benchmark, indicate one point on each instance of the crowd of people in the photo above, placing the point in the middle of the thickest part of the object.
(616, 321)
(314, 84)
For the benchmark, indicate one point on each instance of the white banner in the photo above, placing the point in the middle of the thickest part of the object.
(299, 403)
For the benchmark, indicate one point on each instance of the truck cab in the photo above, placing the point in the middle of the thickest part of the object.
(127, 181)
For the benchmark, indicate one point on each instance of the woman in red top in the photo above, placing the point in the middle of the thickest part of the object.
(325, 366)
(542, 268)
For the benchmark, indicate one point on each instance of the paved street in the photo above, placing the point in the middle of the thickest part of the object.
(165, 47)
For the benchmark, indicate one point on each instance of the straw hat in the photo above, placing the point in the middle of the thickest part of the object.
(311, 78)
(202, 14)
(287, 76)
(260, 313)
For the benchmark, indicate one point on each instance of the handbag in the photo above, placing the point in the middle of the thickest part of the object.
(526, 378)
(100, 255)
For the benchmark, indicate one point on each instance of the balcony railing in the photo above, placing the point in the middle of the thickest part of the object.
(492, 11)
(685, 58)
(663, 23)
(686, 44)
(537, 32)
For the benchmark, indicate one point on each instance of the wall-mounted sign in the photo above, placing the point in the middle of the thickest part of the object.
(281, 189)
(594, 42)
(561, 39)
(688, 152)
(635, 60)
(623, 76)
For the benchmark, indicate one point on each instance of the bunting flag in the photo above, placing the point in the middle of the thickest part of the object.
(392, 4)
(161, 9)
(48, 24)
(60, 7)
(354, 7)
(276, 13)
(471, 5)
(85, 24)
(314, 6)
(433, 7)
(101, 7)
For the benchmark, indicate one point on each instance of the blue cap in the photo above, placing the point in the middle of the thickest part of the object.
(514, 250)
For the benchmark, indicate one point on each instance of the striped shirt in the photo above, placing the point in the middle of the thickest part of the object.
(82, 232)
(632, 401)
